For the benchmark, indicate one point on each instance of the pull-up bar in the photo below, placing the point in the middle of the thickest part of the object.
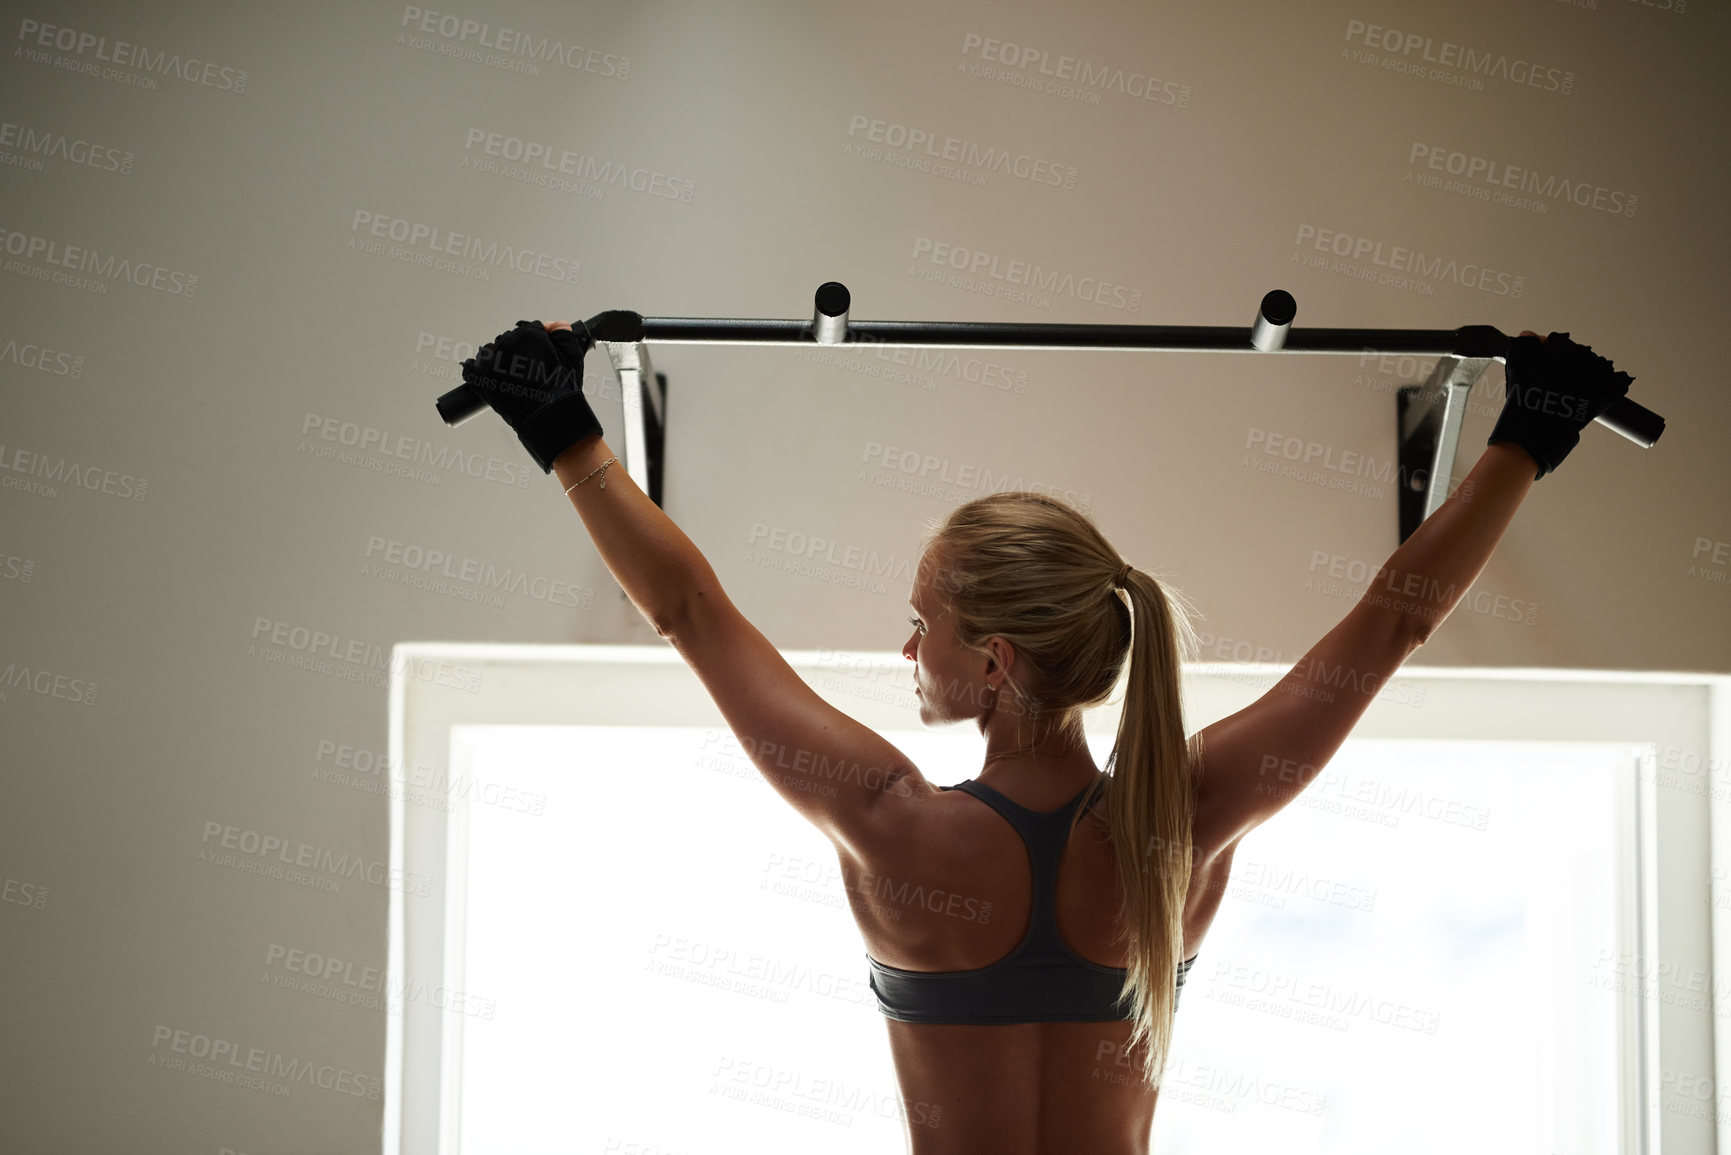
(1428, 417)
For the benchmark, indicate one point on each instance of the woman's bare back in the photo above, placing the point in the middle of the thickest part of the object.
(959, 897)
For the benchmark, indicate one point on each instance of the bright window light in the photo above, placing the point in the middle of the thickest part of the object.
(1416, 952)
(1419, 951)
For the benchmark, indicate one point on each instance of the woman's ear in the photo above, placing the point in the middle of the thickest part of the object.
(1000, 654)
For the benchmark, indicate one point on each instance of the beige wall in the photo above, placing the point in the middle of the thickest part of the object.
(195, 508)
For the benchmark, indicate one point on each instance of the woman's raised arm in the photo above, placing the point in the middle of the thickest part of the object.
(847, 780)
(1256, 761)
(650, 557)
(1425, 578)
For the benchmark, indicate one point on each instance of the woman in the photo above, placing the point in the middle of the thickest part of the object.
(1045, 1027)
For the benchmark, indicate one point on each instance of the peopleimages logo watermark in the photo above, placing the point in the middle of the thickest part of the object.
(36, 145)
(825, 559)
(357, 768)
(47, 684)
(1710, 560)
(979, 263)
(926, 151)
(1340, 576)
(723, 966)
(88, 52)
(822, 1099)
(318, 867)
(32, 355)
(255, 1067)
(31, 894)
(64, 471)
(911, 471)
(65, 264)
(545, 165)
(351, 659)
(1452, 60)
(339, 980)
(441, 571)
(469, 39)
(1399, 267)
(1315, 463)
(351, 443)
(435, 247)
(1319, 1003)
(1066, 76)
(1486, 179)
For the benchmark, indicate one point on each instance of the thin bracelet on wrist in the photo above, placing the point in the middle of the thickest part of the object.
(601, 469)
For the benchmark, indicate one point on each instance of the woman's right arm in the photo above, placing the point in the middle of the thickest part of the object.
(1433, 569)
(1256, 761)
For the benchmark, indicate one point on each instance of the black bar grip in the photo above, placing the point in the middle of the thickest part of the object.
(1634, 421)
(460, 404)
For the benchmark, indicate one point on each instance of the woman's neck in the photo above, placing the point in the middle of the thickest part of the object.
(1040, 776)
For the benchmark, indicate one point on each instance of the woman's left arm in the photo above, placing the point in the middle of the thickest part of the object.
(657, 566)
(651, 558)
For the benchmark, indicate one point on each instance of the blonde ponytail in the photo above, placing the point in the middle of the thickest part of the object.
(1150, 806)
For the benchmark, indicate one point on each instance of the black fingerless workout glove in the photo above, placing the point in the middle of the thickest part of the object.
(534, 380)
(1554, 389)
